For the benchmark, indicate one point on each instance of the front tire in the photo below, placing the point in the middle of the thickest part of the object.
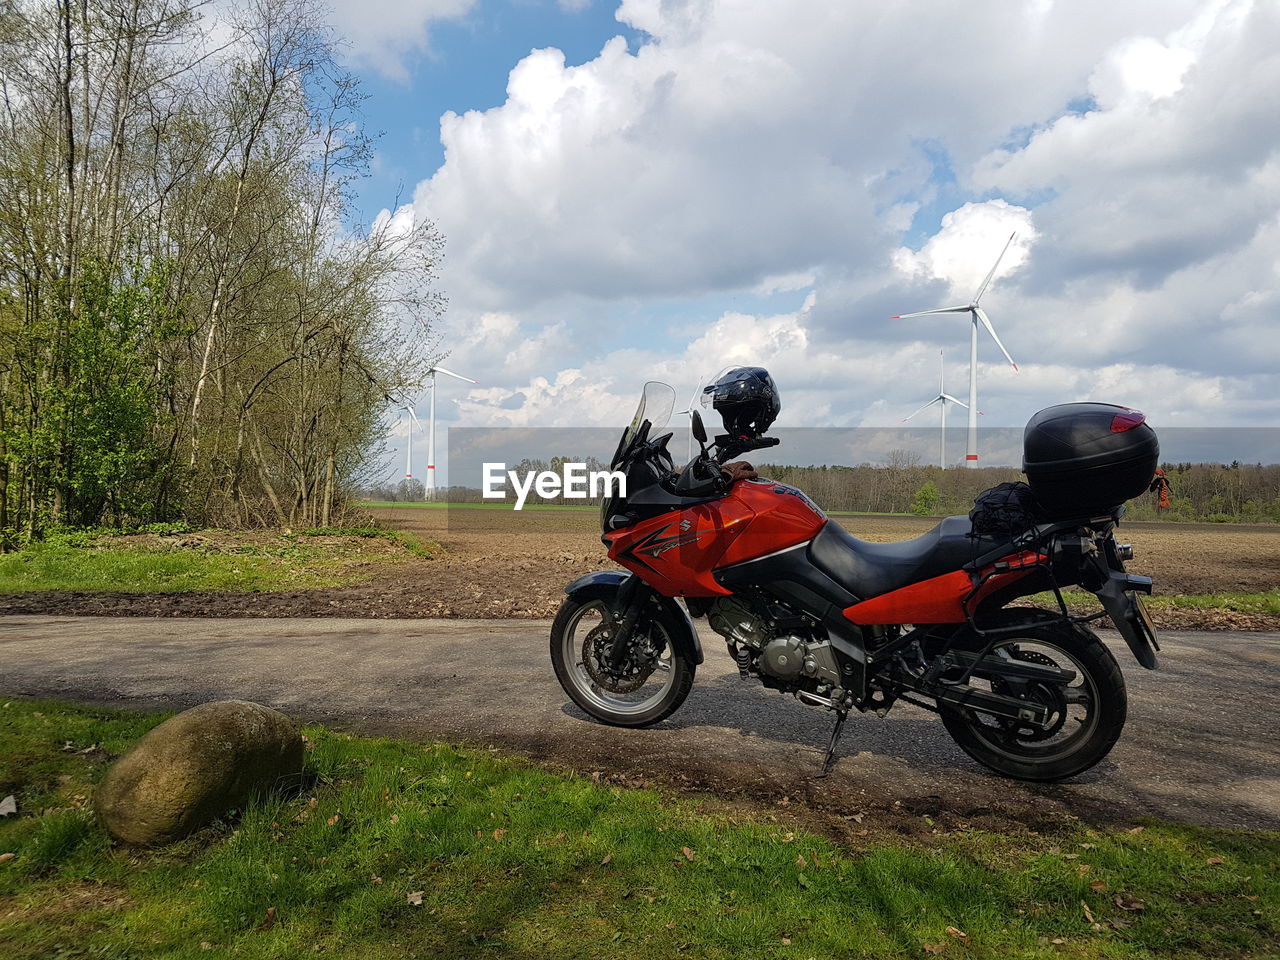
(1087, 716)
(663, 679)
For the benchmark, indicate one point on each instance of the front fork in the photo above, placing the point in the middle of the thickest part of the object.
(633, 594)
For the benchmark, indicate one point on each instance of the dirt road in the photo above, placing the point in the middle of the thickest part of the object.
(1200, 746)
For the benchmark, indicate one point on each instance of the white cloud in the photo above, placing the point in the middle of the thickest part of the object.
(776, 149)
(382, 34)
(966, 248)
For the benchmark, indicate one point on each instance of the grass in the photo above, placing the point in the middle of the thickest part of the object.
(1267, 602)
(206, 560)
(511, 861)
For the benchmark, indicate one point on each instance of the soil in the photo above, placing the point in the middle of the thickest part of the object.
(498, 563)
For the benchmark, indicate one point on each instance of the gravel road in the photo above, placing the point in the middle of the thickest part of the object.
(1201, 744)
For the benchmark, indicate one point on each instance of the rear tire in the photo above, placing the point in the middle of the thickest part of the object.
(1092, 715)
(671, 676)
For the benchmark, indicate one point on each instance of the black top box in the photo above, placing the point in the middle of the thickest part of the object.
(1083, 460)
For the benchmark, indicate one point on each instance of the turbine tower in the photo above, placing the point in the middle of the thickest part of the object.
(977, 315)
(431, 434)
(943, 398)
(408, 449)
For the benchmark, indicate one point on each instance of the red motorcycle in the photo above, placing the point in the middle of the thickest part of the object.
(807, 608)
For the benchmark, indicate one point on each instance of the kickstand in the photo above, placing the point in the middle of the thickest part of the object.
(829, 760)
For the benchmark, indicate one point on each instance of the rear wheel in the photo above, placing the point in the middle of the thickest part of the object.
(648, 687)
(1085, 716)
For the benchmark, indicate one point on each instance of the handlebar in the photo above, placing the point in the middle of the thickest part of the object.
(728, 447)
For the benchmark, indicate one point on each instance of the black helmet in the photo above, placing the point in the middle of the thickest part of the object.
(746, 399)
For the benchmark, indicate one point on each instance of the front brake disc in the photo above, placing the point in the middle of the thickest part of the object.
(635, 670)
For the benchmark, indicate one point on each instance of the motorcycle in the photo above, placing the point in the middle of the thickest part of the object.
(843, 624)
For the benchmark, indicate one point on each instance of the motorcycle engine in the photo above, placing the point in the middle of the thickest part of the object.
(761, 643)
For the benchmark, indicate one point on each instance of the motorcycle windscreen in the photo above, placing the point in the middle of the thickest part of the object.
(657, 400)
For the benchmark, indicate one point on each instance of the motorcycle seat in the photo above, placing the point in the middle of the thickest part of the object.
(869, 569)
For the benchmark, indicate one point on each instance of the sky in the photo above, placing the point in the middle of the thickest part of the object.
(656, 189)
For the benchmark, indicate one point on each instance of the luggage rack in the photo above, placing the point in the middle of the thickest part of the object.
(1037, 548)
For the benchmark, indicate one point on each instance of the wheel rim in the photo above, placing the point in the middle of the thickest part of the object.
(574, 648)
(1074, 709)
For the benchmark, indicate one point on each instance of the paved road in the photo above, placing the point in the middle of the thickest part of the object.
(1201, 744)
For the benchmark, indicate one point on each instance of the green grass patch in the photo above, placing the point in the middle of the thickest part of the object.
(1267, 602)
(398, 849)
(207, 560)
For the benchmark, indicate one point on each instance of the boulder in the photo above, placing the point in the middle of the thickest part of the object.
(195, 767)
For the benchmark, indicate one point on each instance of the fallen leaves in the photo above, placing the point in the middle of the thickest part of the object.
(688, 854)
(8, 806)
(1088, 914)
(1130, 903)
(6, 857)
(1215, 861)
(414, 899)
(1097, 886)
(958, 934)
(608, 859)
(269, 922)
(934, 948)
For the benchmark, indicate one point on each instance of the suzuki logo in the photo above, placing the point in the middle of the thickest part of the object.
(686, 525)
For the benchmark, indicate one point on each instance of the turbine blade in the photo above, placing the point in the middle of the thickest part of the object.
(456, 376)
(986, 322)
(922, 409)
(950, 399)
(942, 390)
(926, 313)
(982, 289)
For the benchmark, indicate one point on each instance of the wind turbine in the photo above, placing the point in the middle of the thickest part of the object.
(431, 434)
(943, 398)
(408, 450)
(977, 315)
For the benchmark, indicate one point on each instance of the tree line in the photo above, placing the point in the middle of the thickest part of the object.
(1212, 492)
(190, 327)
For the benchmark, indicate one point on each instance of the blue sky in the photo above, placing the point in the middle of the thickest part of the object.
(465, 68)
(736, 182)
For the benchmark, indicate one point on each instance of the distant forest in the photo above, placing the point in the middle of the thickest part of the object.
(1206, 492)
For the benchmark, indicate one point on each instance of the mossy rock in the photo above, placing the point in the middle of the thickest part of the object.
(196, 767)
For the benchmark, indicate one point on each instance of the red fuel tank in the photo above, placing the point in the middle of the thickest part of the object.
(677, 553)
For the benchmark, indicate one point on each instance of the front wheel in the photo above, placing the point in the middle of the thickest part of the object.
(647, 688)
(1085, 715)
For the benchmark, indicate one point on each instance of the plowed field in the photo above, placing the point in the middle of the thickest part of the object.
(499, 563)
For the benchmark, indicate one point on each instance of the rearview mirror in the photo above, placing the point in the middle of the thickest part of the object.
(699, 431)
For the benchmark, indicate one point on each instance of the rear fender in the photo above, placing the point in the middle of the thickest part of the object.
(1119, 596)
(605, 584)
